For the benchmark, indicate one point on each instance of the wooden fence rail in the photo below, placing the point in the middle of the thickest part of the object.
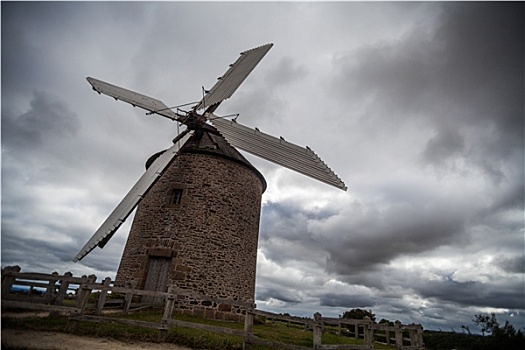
(56, 286)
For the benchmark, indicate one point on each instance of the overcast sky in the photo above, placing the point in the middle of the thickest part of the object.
(418, 107)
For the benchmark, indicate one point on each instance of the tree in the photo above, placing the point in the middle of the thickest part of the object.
(506, 337)
(488, 323)
(386, 322)
(508, 331)
(359, 314)
(466, 328)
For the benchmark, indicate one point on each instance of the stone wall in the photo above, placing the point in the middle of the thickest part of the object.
(207, 243)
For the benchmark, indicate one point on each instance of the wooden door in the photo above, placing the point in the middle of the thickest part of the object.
(157, 277)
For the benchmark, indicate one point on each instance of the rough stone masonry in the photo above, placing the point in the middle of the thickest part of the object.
(198, 228)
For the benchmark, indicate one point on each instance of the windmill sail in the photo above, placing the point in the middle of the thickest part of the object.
(134, 98)
(277, 150)
(233, 77)
(132, 199)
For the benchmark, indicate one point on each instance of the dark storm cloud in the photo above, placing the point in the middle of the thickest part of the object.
(464, 78)
(281, 294)
(512, 264)
(417, 106)
(36, 250)
(285, 225)
(511, 198)
(18, 52)
(483, 52)
(347, 301)
(279, 218)
(362, 250)
(369, 239)
(35, 39)
(474, 293)
(285, 72)
(465, 81)
(447, 143)
(37, 144)
(48, 117)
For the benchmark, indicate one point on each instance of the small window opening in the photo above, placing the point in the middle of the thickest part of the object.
(176, 196)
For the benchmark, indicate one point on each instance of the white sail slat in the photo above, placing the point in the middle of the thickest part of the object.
(134, 98)
(233, 77)
(277, 150)
(132, 199)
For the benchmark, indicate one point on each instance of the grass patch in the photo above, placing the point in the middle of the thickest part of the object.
(193, 338)
(36, 323)
(279, 332)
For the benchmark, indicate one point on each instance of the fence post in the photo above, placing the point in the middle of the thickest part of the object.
(399, 334)
(248, 326)
(102, 296)
(356, 331)
(129, 297)
(85, 292)
(412, 336)
(170, 302)
(8, 278)
(318, 330)
(420, 342)
(79, 295)
(168, 310)
(50, 290)
(368, 332)
(365, 330)
(62, 290)
(387, 336)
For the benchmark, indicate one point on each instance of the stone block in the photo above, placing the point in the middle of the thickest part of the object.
(225, 307)
(187, 312)
(198, 311)
(178, 276)
(209, 313)
(183, 268)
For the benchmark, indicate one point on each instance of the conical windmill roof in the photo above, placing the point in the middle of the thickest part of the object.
(207, 140)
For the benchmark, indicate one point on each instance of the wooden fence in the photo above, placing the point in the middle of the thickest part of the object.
(57, 286)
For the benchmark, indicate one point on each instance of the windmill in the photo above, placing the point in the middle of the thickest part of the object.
(197, 224)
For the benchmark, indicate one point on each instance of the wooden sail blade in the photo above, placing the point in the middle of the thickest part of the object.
(233, 77)
(277, 150)
(134, 98)
(133, 198)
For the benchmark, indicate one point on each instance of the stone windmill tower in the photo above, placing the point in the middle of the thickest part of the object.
(200, 200)
(198, 225)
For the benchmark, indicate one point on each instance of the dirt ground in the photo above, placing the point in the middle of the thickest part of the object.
(35, 340)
